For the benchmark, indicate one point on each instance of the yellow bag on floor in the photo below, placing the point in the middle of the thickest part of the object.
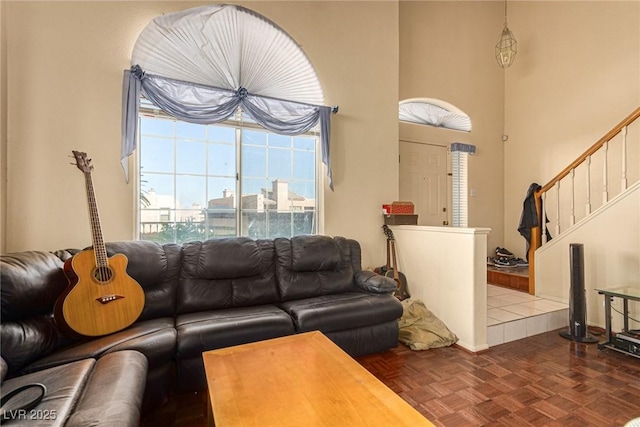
(420, 329)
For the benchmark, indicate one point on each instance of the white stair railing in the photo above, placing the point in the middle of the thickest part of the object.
(602, 148)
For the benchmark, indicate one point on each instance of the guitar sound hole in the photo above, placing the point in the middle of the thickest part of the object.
(102, 274)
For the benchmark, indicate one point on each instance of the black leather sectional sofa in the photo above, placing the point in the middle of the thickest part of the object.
(199, 296)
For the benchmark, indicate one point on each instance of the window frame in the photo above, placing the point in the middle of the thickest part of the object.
(236, 122)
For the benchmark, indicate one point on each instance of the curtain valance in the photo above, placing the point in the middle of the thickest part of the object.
(201, 104)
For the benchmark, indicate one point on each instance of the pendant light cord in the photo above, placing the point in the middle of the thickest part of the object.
(505, 13)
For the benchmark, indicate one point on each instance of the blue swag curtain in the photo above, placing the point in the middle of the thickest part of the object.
(202, 104)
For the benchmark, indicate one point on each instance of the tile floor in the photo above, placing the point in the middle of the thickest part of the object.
(513, 315)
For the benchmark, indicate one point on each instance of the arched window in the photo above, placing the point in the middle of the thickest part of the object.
(201, 64)
(434, 112)
(213, 78)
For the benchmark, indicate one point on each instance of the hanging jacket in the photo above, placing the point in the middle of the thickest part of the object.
(529, 217)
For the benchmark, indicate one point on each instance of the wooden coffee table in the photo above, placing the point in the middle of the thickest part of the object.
(302, 379)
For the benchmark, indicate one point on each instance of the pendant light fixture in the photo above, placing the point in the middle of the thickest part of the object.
(507, 46)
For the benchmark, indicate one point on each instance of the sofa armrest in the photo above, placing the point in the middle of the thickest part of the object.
(375, 283)
(4, 369)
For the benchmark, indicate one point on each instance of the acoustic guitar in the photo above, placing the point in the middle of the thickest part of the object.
(383, 269)
(401, 281)
(101, 297)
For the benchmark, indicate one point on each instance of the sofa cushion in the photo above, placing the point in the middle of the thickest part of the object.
(226, 273)
(156, 268)
(302, 271)
(329, 313)
(64, 385)
(31, 282)
(198, 332)
(156, 339)
(28, 340)
(107, 392)
(113, 394)
(318, 254)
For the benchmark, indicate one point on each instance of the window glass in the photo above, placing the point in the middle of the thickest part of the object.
(191, 157)
(157, 154)
(222, 159)
(280, 163)
(254, 161)
(191, 176)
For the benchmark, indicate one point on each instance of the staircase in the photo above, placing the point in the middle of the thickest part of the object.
(594, 201)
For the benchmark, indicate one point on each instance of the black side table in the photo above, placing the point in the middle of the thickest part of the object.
(626, 293)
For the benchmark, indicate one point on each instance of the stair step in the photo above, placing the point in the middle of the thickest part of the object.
(513, 278)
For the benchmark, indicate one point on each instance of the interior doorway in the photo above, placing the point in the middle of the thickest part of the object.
(423, 180)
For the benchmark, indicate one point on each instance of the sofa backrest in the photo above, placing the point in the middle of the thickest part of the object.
(225, 273)
(31, 283)
(313, 265)
(156, 268)
(177, 279)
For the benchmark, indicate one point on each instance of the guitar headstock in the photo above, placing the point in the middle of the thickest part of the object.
(82, 162)
(387, 232)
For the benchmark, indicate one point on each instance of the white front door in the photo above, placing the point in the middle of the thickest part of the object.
(423, 181)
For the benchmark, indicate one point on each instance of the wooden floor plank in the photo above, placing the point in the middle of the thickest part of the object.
(544, 380)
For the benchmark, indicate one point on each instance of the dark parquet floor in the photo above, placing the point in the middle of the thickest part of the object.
(543, 380)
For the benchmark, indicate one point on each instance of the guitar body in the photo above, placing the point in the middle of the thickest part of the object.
(98, 301)
(401, 292)
(401, 280)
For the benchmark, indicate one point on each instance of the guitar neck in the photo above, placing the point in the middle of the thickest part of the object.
(96, 230)
(396, 276)
(388, 254)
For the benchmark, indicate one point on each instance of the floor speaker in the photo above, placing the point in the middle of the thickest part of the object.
(578, 301)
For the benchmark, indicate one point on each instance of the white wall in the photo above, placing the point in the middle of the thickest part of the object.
(64, 77)
(611, 258)
(576, 75)
(3, 126)
(446, 268)
(446, 52)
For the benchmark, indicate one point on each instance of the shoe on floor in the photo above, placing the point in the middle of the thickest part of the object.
(519, 262)
(503, 252)
(504, 262)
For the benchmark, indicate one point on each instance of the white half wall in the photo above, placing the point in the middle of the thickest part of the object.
(446, 268)
(611, 258)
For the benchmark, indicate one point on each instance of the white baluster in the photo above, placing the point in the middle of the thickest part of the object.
(624, 159)
(557, 208)
(588, 207)
(543, 218)
(572, 216)
(605, 175)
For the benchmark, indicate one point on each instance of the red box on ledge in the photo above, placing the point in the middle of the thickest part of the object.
(401, 208)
